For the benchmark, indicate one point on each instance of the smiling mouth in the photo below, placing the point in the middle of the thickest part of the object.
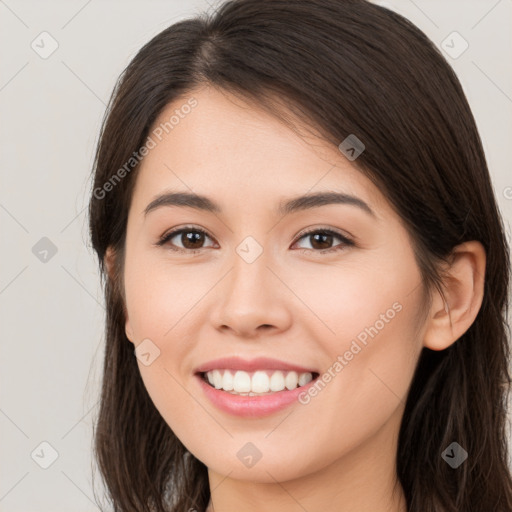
(257, 383)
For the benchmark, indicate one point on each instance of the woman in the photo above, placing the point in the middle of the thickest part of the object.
(244, 370)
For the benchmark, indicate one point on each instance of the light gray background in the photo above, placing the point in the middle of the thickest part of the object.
(52, 312)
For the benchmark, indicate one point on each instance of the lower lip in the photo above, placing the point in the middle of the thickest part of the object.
(252, 406)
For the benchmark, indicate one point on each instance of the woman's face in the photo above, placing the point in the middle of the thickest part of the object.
(258, 287)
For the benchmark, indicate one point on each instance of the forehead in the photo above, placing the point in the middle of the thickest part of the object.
(225, 146)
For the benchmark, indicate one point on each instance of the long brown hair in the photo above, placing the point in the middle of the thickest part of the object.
(343, 67)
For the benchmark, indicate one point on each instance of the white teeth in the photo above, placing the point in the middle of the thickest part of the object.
(227, 381)
(217, 379)
(304, 378)
(242, 382)
(291, 380)
(261, 381)
(277, 381)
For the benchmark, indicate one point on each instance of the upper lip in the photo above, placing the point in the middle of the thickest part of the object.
(260, 363)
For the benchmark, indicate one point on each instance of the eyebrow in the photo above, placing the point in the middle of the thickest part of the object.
(305, 202)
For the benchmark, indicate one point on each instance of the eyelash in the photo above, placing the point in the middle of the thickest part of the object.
(346, 242)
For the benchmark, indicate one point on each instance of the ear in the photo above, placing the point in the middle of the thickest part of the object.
(110, 264)
(452, 315)
(128, 329)
(109, 261)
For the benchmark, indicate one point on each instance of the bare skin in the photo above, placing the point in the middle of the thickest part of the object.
(335, 453)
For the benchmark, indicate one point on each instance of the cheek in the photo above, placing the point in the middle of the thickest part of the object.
(373, 356)
(160, 295)
(160, 300)
(372, 350)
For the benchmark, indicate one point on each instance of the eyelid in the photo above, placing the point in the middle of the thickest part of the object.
(314, 229)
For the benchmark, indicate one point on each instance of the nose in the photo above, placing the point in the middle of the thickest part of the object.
(253, 300)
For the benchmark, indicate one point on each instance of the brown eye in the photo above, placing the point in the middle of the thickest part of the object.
(322, 240)
(192, 239)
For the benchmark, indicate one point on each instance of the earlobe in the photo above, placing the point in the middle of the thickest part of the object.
(453, 314)
(128, 330)
(109, 261)
(110, 265)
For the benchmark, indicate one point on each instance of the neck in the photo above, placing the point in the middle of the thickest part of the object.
(362, 479)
